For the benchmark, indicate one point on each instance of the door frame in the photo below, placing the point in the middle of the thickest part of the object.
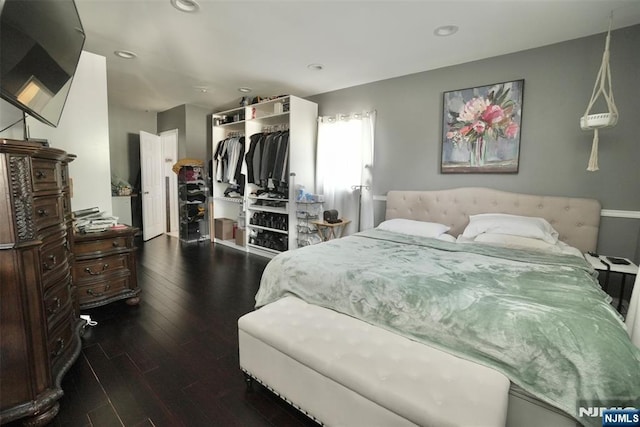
(152, 185)
(169, 141)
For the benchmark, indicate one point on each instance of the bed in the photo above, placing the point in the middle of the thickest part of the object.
(387, 328)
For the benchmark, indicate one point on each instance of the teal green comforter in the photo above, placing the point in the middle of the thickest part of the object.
(542, 320)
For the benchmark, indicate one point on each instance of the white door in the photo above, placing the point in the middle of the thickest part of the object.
(170, 157)
(152, 177)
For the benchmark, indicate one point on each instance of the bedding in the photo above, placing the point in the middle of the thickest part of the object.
(541, 319)
(514, 225)
(519, 242)
(414, 228)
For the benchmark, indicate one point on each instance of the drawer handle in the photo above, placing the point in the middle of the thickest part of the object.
(98, 294)
(40, 174)
(53, 309)
(96, 273)
(43, 212)
(60, 346)
(115, 243)
(53, 263)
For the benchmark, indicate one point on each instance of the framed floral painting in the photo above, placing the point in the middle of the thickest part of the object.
(481, 129)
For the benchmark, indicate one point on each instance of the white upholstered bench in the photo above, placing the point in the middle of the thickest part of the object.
(344, 372)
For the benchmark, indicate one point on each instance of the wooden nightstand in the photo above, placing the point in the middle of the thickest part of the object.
(602, 263)
(328, 231)
(104, 269)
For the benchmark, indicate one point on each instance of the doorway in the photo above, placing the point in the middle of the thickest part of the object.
(158, 154)
(169, 140)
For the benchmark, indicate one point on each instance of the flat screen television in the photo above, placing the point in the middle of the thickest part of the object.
(40, 46)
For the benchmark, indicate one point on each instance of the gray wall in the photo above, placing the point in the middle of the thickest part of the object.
(124, 140)
(554, 151)
(193, 131)
(194, 135)
(175, 118)
(198, 133)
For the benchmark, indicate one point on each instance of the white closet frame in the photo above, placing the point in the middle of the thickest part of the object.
(301, 120)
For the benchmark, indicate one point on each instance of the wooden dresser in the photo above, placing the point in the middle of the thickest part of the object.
(39, 318)
(104, 269)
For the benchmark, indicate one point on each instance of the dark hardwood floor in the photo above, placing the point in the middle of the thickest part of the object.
(173, 360)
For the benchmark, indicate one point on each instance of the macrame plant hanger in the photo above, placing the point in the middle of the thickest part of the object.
(600, 120)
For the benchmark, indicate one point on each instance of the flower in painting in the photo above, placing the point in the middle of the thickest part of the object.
(490, 116)
(493, 114)
(473, 109)
(511, 130)
(479, 127)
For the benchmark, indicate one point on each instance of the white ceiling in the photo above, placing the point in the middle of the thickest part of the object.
(267, 45)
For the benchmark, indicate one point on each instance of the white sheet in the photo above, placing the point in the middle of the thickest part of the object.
(633, 314)
(559, 247)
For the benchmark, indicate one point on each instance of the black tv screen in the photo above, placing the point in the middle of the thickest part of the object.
(40, 45)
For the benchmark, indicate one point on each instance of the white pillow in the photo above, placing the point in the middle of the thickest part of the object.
(414, 228)
(515, 225)
(446, 237)
(515, 242)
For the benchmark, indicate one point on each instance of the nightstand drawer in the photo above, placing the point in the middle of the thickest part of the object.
(96, 292)
(46, 175)
(99, 247)
(98, 269)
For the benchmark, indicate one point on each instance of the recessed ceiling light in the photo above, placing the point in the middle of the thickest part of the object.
(315, 67)
(244, 89)
(125, 54)
(189, 6)
(445, 30)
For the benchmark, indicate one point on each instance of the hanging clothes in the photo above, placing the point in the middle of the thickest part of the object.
(280, 172)
(228, 155)
(267, 159)
(253, 153)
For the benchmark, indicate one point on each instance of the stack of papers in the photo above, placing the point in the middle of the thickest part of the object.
(92, 221)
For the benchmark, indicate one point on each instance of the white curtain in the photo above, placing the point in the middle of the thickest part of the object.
(344, 166)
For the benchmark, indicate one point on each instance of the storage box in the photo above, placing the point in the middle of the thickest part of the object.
(223, 228)
(240, 236)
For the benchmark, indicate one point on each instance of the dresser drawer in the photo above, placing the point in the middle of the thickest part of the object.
(61, 338)
(100, 268)
(54, 259)
(100, 247)
(91, 294)
(66, 205)
(57, 300)
(64, 175)
(46, 175)
(48, 211)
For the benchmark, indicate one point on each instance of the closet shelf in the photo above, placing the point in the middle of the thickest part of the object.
(268, 198)
(275, 230)
(228, 199)
(269, 116)
(268, 209)
(222, 125)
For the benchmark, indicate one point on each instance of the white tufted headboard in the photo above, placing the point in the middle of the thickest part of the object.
(576, 220)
